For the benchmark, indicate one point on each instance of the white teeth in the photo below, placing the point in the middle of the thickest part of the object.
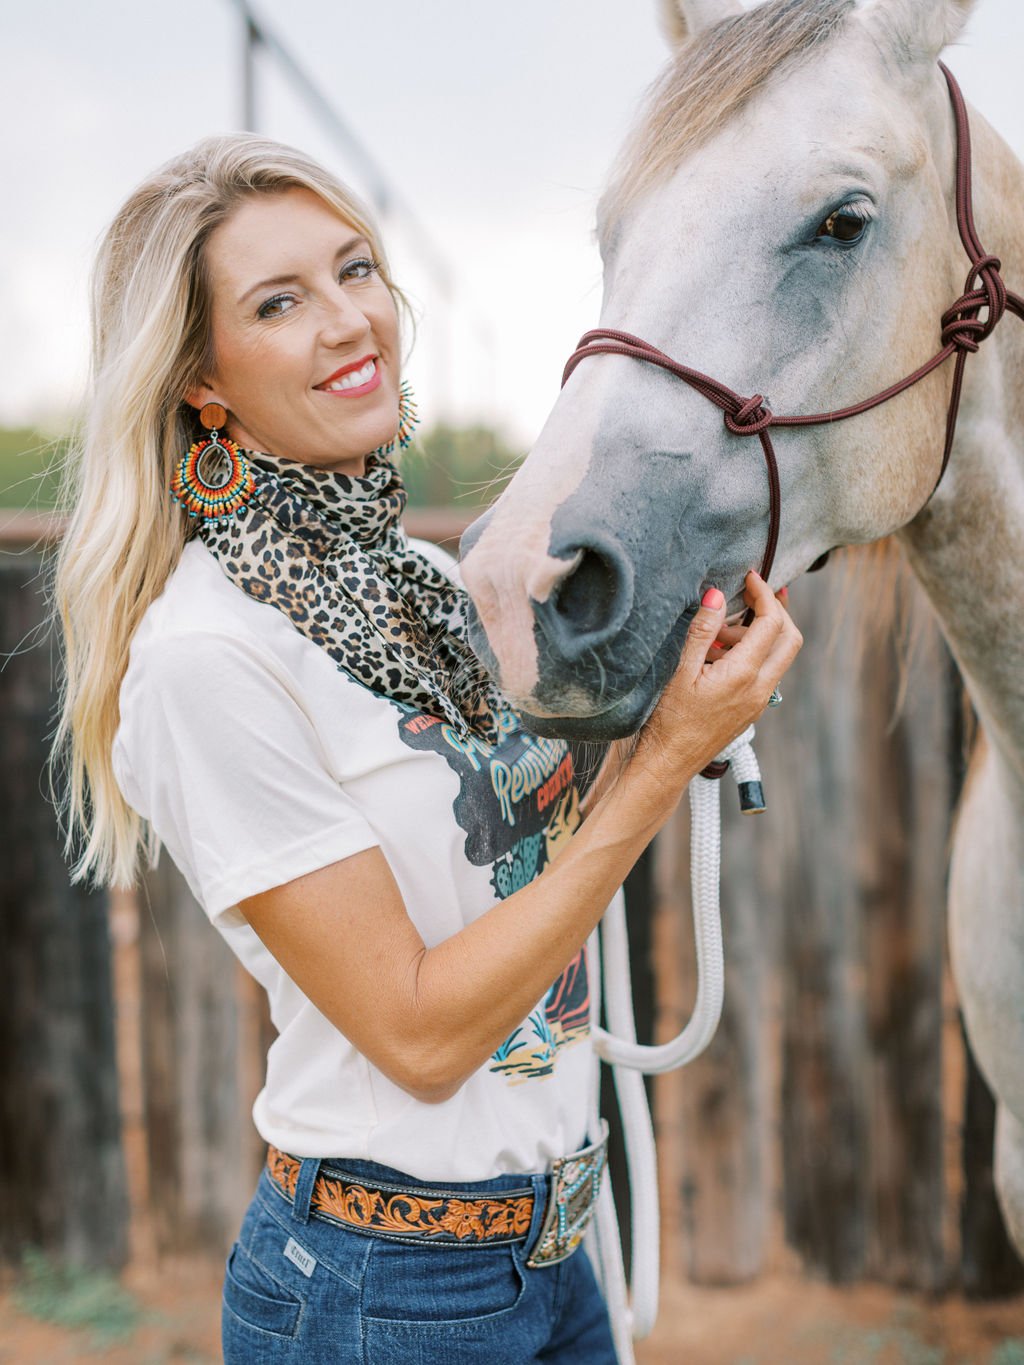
(353, 379)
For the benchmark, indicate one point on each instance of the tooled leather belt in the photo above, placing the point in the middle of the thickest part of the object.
(435, 1216)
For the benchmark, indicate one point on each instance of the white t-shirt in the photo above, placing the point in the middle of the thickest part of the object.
(256, 760)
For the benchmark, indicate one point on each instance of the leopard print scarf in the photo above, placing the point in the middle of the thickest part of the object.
(327, 550)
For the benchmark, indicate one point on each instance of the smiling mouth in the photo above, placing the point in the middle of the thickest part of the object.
(360, 377)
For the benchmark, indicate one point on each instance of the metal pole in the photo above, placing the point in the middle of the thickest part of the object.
(382, 194)
(250, 41)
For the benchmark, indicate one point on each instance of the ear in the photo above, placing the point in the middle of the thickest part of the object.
(199, 396)
(681, 19)
(917, 30)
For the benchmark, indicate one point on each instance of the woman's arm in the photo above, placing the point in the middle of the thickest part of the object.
(429, 1017)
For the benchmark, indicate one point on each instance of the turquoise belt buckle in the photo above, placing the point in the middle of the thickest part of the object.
(575, 1185)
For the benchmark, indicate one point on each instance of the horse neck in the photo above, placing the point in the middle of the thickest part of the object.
(967, 546)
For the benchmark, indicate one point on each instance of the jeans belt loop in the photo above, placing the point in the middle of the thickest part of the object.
(541, 1199)
(309, 1169)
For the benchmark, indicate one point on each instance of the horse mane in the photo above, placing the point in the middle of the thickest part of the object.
(711, 76)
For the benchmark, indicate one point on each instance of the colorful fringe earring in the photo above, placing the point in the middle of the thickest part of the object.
(408, 420)
(214, 479)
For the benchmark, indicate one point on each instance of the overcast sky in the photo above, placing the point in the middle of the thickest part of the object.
(496, 122)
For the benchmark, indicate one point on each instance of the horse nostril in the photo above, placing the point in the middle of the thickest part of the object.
(585, 599)
(589, 606)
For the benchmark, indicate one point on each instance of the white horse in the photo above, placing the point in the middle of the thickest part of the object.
(783, 219)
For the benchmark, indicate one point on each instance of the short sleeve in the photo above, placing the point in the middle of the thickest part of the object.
(215, 750)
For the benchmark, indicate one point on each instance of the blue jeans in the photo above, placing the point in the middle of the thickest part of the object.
(305, 1291)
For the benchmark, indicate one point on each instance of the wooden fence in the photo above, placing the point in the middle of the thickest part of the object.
(837, 1115)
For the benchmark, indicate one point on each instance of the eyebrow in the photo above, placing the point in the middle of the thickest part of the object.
(272, 283)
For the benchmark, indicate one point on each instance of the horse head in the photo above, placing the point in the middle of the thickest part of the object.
(782, 219)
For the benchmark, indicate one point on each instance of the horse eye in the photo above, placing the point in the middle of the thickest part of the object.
(843, 225)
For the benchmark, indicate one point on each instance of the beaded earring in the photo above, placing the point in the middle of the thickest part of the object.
(408, 420)
(213, 479)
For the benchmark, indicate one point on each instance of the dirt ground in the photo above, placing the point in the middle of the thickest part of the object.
(171, 1317)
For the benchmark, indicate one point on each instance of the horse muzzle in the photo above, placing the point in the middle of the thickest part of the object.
(568, 653)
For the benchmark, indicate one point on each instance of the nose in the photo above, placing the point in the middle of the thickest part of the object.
(343, 320)
(590, 602)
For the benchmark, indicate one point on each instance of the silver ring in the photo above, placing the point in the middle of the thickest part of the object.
(776, 697)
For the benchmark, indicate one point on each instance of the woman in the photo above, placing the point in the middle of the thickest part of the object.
(265, 676)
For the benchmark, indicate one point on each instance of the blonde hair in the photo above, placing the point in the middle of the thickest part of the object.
(150, 345)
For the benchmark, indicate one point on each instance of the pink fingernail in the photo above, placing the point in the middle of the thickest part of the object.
(713, 598)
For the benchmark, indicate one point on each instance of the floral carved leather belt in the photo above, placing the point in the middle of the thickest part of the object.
(436, 1216)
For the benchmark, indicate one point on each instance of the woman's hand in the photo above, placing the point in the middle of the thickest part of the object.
(723, 682)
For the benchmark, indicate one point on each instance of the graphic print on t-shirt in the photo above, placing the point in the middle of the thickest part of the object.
(517, 804)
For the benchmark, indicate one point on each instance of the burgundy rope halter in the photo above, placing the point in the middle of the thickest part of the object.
(962, 332)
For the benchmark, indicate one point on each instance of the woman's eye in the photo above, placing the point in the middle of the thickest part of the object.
(273, 308)
(845, 225)
(360, 269)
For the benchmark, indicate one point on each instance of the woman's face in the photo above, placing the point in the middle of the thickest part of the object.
(304, 331)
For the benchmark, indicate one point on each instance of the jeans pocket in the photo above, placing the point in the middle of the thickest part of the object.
(441, 1286)
(256, 1298)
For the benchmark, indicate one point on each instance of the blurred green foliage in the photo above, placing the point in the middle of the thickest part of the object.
(29, 461)
(77, 1297)
(464, 467)
(1009, 1352)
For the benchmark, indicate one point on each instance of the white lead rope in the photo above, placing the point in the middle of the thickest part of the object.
(633, 1314)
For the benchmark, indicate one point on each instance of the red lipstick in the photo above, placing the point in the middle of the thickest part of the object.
(346, 369)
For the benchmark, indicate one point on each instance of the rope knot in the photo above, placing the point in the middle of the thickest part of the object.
(961, 324)
(749, 419)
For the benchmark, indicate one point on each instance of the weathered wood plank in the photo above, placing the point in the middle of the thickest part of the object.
(824, 1121)
(200, 1150)
(864, 952)
(906, 795)
(62, 1182)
